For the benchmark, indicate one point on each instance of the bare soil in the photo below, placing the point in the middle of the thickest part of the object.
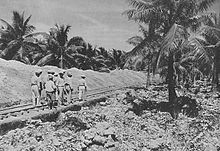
(113, 126)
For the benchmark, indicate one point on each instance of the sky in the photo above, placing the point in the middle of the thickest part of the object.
(99, 22)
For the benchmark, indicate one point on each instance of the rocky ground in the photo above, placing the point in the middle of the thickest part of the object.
(114, 126)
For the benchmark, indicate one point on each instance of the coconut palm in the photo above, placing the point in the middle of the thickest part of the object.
(136, 40)
(211, 33)
(118, 56)
(170, 19)
(138, 59)
(15, 43)
(59, 51)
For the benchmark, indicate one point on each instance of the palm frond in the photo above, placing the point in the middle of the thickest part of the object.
(9, 27)
(174, 37)
(10, 50)
(144, 31)
(46, 59)
(67, 29)
(205, 4)
(135, 40)
(140, 4)
(139, 49)
(29, 29)
(26, 21)
(173, 40)
(199, 52)
(139, 16)
(181, 69)
(196, 71)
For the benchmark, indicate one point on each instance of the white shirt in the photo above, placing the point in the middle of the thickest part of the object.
(35, 80)
(50, 86)
(60, 82)
(82, 82)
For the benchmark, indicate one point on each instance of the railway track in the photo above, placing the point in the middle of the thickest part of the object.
(19, 110)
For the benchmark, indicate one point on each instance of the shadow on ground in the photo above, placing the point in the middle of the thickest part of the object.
(185, 105)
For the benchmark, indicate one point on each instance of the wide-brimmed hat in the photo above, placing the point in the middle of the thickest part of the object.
(69, 74)
(50, 71)
(38, 71)
(62, 72)
(56, 74)
(50, 76)
(83, 76)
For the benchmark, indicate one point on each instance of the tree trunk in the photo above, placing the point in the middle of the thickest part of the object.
(215, 79)
(171, 87)
(216, 68)
(61, 58)
(148, 74)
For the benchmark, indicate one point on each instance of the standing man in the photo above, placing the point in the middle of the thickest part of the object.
(68, 86)
(82, 88)
(50, 73)
(50, 91)
(35, 87)
(60, 85)
(55, 82)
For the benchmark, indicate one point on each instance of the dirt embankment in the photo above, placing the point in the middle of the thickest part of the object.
(15, 80)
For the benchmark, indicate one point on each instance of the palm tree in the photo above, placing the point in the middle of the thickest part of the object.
(15, 43)
(59, 51)
(118, 56)
(211, 33)
(136, 40)
(169, 19)
(138, 59)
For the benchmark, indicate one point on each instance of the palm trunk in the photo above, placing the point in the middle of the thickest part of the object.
(194, 79)
(215, 79)
(148, 74)
(216, 69)
(171, 87)
(61, 58)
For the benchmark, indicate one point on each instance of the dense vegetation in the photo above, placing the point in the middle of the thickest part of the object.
(181, 41)
(19, 42)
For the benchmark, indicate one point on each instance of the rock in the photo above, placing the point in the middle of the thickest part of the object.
(56, 142)
(99, 139)
(39, 137)
(90, 134)
(145, 149)
(155, 143)
(109, 131)
(130, 115)
(35, 122)
(64, 139)
(137, 101)
(80, 146)
(103, 103)
(61, 119)
(102, 125)
(211, 147)
(69, 113)
(109, 144)
(32, 140)
(83, 145)
(87, 142)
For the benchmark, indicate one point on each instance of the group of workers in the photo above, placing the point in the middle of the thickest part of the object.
(56, 89)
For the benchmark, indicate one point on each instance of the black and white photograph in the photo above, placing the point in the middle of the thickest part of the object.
(109, 75)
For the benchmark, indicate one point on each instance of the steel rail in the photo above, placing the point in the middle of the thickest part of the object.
(90, 93)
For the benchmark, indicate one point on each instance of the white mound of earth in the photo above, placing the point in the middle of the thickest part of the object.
(15, 79)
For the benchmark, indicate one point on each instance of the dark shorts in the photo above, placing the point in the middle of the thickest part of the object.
(51, 95)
